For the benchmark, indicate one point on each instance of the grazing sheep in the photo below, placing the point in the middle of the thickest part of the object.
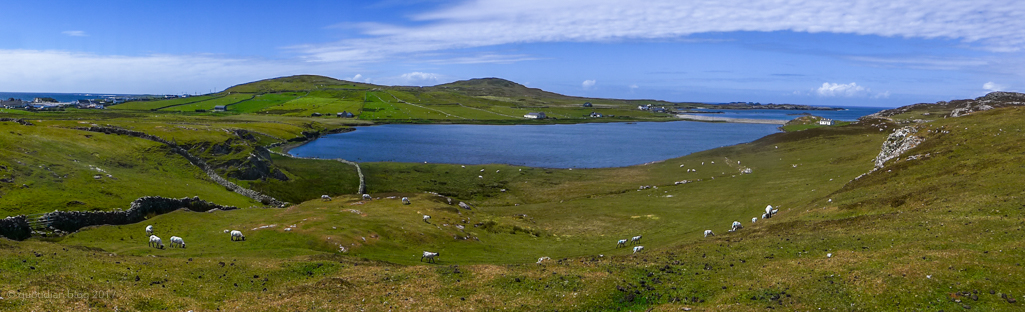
(177, 242)
(753, 220)
(709, 233)
(325, 197)
(427, 219)
(542, 259)
(768, 212)
(430, 256)
(149, 229)
(237, 236)
(366, 196)
(405, 200)
(765, 216)
(774, 211)
(622, 243)
(155, 241)
(736, 226)
(635, 239)
(638, 248)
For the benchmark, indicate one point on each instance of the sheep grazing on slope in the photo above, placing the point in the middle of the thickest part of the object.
(177, 242)
(430, 256)
(768, 212)
(736, 226)
(621, 243)
(366, 196)
(325, 197)
(405, 200)
(638, 248)
(635, 239)
(155, 241)
(709, 233)
(753, 220)
(237, 236)
(427, 219)
(149, 229)
(539, 260)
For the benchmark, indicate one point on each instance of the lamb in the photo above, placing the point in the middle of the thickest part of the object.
(177, 241)
(427, 219)
(709, 233)
(622, 243)
(635, 239)
(155, 241)
(325, 197)
(405, 200)
(736, 226)
(149, 229)
(430, 256)
(638, 248)
(237, 236)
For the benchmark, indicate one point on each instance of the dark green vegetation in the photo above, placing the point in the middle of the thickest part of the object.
(938, 228)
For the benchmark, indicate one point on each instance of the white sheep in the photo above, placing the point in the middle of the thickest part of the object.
(366, 196)
(149, 229)
(638, 248)
(237, 236)
(753, 220)
(325, 197)
(405, 200)
(621, 243)
(635, 239)
(709, 233)
(177, 242)
(539, 260)
(427, 219)
(155, 241)
(429, 255)
(736, 226)
(768, 212)
(765, 216)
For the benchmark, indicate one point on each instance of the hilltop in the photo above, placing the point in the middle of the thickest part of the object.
(898, 211)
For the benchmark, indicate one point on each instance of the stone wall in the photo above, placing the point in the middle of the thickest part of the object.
(70, 221)
(15, 228)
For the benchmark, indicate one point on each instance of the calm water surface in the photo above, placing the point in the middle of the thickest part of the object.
(552, 146)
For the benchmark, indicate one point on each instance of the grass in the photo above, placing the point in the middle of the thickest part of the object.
(264, 101)
(208, 105)
(158, 104)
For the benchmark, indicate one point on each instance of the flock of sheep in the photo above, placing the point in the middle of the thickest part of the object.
(769, 212)
(156, 242)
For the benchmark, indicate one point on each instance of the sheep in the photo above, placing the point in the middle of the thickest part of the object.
(149, 230)
(539, 260)
(709, 233)
(366, 196)
(768, 212)
(427, 219)
(638, 248)
(405, 200)
(177, 241)
(155, 241)
(226, 231)
(237, 236)
(774, 211)
(736, 226)
(635, 239)
(765, 216)
(325, 197)
(621, 243)
(430, 256)
(753, 220)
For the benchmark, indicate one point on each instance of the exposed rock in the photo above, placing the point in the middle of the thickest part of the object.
(16, 228)
(464, 205)
(900, 141)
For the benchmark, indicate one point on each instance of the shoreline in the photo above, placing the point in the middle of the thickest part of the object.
(732, 120)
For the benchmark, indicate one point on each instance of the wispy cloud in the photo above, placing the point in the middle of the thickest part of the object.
(75, 33)
(588, 84)
(420, 78)
(990, 86)
(987, 24)
(841, 89)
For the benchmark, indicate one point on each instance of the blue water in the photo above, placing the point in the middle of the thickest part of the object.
(552, 146)
(60, 97)
(850, 114)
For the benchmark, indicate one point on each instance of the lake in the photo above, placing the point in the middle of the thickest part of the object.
(596, 145)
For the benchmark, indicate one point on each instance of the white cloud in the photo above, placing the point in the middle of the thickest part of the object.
(59, 71)
(357, 77)
(587, 84)
(419, 78)
(841, 89)
(989, 24)
(74, 33)
(633, 86)
(990, 86)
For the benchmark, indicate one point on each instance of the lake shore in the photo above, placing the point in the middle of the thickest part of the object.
(729, 119)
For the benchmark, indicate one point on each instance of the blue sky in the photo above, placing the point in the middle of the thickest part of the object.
(866, 53)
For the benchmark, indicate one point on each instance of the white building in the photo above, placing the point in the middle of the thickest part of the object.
(538, 115)
(826, 122)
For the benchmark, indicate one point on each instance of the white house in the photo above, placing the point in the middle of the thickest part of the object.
(596, 115)
(825, 122)
(538, 115)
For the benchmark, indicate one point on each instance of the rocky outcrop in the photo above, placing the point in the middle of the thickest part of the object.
(198, 162)
(16, 228)
(18, 120)
(900, 141)
(70, 221)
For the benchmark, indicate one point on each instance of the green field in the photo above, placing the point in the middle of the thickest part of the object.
(938, 228)
(158, 104)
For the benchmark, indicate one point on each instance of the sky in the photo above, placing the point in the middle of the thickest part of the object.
(847, 53)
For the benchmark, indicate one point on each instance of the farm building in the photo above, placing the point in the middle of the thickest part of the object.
(345, 114)
(826, 122)
(537, 115)
(220, 108)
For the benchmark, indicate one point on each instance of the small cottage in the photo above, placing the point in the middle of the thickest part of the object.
(345, 114)
(220, 108)
(538, 115)
(826, 122)
(596, 115)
